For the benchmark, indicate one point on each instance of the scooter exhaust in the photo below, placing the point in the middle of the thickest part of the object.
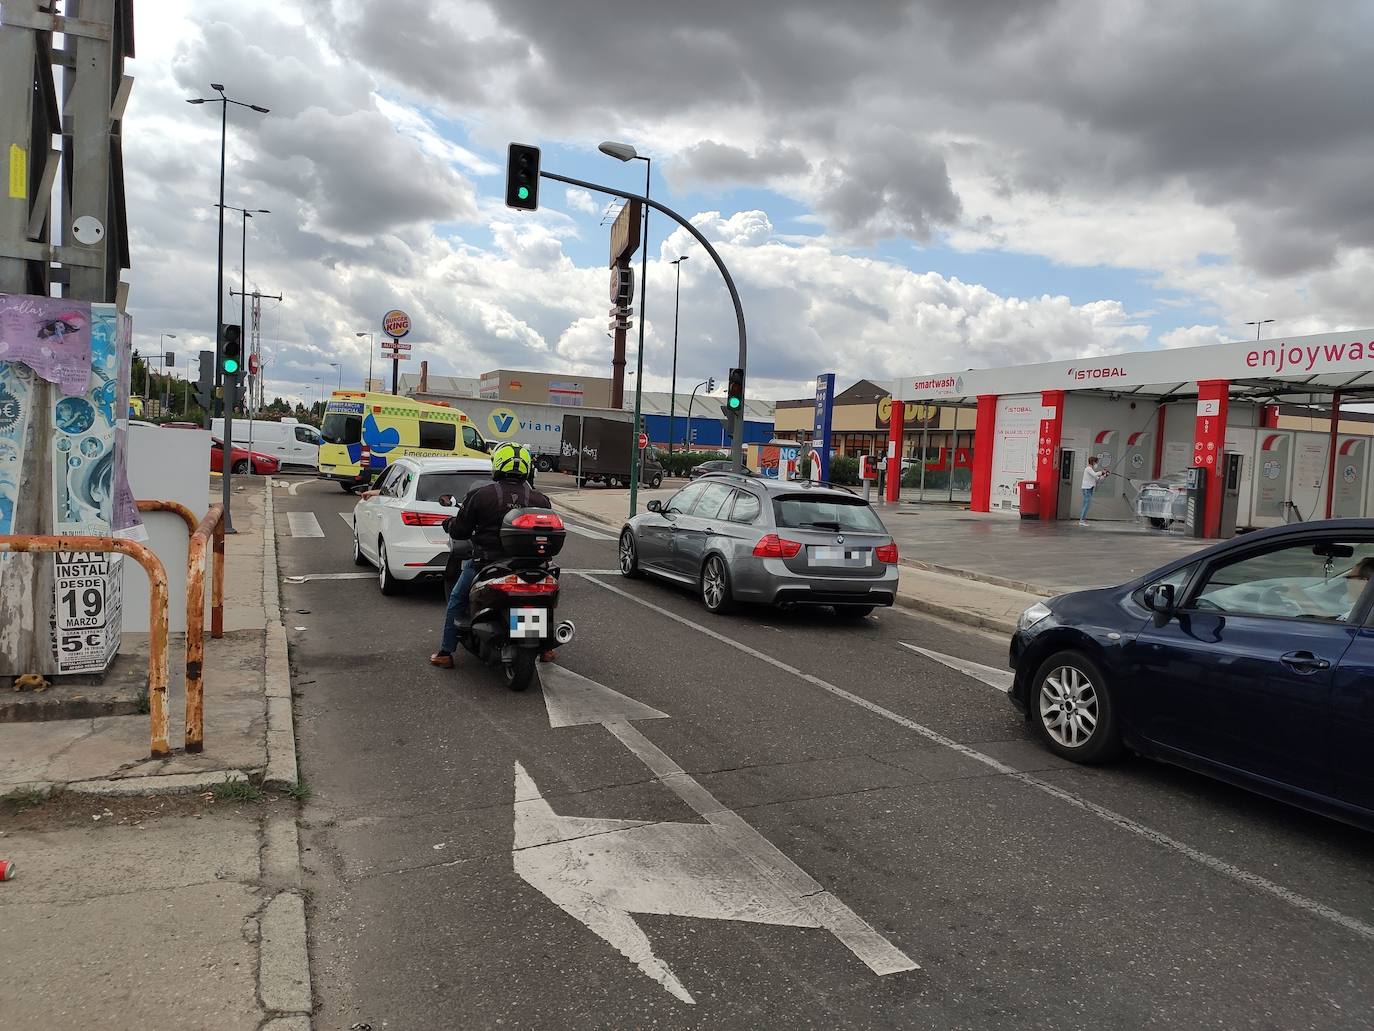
(563, 632)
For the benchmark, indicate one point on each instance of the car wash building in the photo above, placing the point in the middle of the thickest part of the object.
(1150, 415)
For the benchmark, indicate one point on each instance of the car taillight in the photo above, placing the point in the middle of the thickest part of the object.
(537, 521)
(423, 518)
(514, 585)
(887, 553)
(773, 546)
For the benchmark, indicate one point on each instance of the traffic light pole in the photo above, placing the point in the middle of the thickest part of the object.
(226, 464)
(737, 419)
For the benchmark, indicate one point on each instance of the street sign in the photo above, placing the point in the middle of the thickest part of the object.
(395, 323)
(396, 356)
(622, 284)
(396, 345)
(643, 441)
(253, 365)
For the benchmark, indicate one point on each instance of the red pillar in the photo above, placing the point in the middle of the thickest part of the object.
(896, 425)
(1160, 411)
(1331, 457)
(1209, 438)
(984, 433)
(1271, 417)
(1047, 452)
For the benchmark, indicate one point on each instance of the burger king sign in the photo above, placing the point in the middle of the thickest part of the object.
(395, 323)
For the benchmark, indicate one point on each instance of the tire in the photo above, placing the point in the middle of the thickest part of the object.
(612, 481)
(1072, 676)
(854, 613)
(240, 468)
(629, 557)
(359, 559)
(349, 488)
(581, 483)
(1159, 524)
(388, 584)
(657, 482)
(716, 593)
(520, 670)
(543, 464)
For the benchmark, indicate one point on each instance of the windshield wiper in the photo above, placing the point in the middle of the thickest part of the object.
(824, 525)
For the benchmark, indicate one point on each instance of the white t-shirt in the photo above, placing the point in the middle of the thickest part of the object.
(1092, 477)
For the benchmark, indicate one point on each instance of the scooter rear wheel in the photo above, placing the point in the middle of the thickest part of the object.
(520, 669)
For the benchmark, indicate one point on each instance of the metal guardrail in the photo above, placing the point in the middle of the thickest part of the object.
(211, 526)
(157, 612)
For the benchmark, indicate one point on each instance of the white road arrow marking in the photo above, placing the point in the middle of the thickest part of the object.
(1001, 679)
(601, 871)
(304, 524)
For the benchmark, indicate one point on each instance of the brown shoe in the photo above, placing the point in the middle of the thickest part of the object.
(441, 659)
(548, 656)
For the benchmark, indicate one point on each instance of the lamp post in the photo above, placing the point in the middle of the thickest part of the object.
(162, 363)
(690, 405)
(1259, 324)
(339, 367)
(625, 152)
(371, 347)
(677, 299)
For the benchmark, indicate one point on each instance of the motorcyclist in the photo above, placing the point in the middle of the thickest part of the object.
(479, 521)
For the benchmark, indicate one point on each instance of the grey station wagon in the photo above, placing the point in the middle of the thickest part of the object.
(737, 538)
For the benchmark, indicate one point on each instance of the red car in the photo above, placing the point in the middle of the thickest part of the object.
(244, 461)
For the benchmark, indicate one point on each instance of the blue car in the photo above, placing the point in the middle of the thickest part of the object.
(1251, 661)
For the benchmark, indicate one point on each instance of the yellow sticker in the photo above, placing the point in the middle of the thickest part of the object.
(19, 172)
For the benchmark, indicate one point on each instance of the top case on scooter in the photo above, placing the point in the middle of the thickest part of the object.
(532, 533)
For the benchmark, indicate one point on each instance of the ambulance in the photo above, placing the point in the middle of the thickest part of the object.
(364, 432)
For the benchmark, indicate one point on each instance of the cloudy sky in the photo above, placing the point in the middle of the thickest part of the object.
(897, 187)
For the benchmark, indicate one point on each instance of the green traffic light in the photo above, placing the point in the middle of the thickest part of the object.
(523, 193)
(734, 402)
(231, 365)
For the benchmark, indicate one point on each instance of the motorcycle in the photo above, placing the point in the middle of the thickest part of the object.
(513, 599)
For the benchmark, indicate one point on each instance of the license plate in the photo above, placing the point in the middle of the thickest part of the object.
(529, 622)
(849, 557)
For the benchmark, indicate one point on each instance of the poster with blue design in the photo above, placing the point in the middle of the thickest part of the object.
(16, 400)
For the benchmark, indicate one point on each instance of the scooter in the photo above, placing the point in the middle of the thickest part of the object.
(513, 599)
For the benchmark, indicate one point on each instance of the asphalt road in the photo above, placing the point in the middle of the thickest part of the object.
(828, 829)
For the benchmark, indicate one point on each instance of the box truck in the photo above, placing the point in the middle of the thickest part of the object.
(598, 449)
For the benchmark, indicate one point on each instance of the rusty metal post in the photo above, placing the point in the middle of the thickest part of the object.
(157, 619)
(195, 627)
(175, 507)
(217, 581)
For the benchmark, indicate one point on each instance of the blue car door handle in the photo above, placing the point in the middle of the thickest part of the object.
(1304, 662)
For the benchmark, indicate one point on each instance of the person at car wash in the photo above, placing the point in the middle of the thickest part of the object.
(479, 521)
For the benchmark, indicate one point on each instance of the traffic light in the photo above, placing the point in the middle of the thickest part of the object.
(522, 177)
(231, 360)
(734, 391)
(205, 383)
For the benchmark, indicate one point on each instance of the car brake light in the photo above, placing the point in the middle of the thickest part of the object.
(537, 521)
(514, 585)
(423, 518)
(773, 546)
(887, 553)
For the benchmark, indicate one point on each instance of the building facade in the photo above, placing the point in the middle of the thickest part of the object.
(545, 388)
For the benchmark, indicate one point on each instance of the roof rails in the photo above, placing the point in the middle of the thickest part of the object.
(826, 483)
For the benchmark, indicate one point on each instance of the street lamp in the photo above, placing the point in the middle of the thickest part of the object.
(1259, 324)
(162, 363)
(371, 346)
(672, 403)
(625, 152)
(339, 366)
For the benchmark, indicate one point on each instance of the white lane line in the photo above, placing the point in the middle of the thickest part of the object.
(1204, 859)
(347, 517)
(1001, 679)
(302, 578)
(583, 531)
(304, 524)
(295, 487)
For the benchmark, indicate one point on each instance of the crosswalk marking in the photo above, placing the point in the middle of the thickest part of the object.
(1001, 679)
(584, 531)
(347, 517)
(304, 524)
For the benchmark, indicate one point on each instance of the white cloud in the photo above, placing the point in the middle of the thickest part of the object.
(581, 200)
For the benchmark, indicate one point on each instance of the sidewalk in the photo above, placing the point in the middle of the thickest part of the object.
(164, 893)
(955, 595)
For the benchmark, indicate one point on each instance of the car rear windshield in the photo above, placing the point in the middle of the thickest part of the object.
(807, 512)
(342, 429)
(433, 486)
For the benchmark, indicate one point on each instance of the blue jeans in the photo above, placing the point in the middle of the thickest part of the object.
(1087, 501)
(457, 606)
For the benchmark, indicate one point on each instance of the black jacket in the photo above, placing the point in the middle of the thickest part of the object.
(479, 519)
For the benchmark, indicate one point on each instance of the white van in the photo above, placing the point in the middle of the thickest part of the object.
(290, 442)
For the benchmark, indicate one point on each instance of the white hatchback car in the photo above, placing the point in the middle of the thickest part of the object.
(400, 528)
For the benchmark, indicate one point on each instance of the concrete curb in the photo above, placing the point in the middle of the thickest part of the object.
(954, 615)
(165, 784)
(283, 958)
(982, 578)
(282, 771)
(589, 516)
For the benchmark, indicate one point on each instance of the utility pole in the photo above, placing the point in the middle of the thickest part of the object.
(91, 248)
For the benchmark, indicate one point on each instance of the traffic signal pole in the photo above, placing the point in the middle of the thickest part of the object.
(737, 417)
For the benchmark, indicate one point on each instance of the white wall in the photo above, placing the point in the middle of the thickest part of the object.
(165, 465)
(1017, 430)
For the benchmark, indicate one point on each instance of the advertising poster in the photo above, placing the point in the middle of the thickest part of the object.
(1352, 476)
(16, 402)
(1271, 490)
(51, 335)
(820, 433)
(124, 520)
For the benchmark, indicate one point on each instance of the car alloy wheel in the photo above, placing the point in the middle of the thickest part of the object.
(359, 559)
(1073, 709)
(715, 586)
(241, 467)
(388, 584)
(629, 559)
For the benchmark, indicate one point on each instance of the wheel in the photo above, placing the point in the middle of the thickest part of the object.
(1159, 524)
(854, 612)
(520, 669)
(389, 584)
(349, 488)
(543, 464)
(359, 559)
(241, 467)
(1073, 710)
(657, 482)
(629, 556)
(581, 482)
(612, 481)
(715, 586)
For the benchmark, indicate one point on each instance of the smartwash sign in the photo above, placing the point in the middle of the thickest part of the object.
(1291, 358)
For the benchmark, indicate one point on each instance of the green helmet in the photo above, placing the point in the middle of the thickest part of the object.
(511, 461)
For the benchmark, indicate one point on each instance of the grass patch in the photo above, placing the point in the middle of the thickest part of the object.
(143, 702)
(24, 798)
(236, 791)
(300, 791)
